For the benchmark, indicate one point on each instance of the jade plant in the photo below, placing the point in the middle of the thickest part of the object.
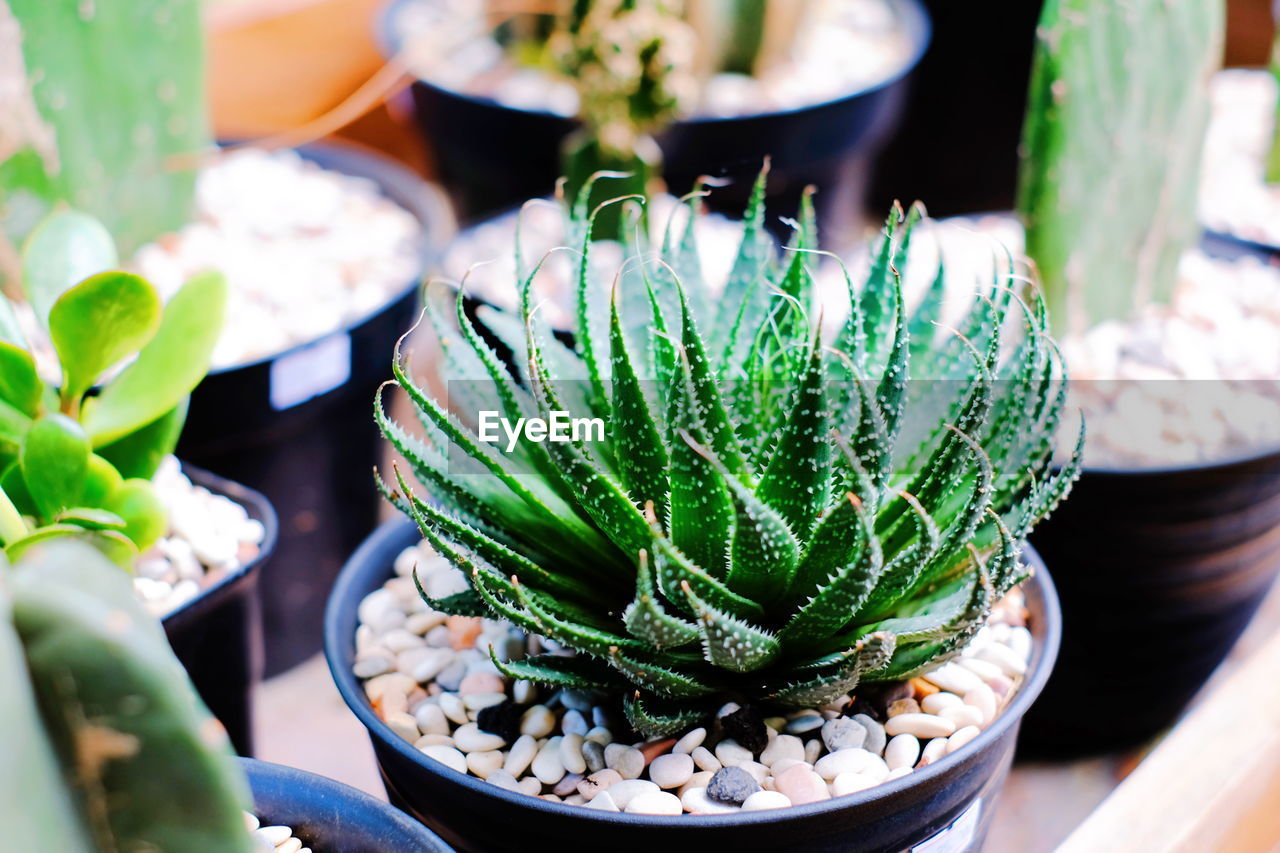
(1273, 154)
(1117, 111)
(78, 448)
(770, 514)
(107, 747)
(103, 104)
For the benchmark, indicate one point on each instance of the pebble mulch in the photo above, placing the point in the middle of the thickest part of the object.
(843, 46)
(1234, 196)
(305, 250)
(273, 839)
(429, 677)
(209, 537)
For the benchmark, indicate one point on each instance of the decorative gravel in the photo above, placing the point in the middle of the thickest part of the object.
(273, 839)
(1234, 196)
(845, 46)
(306, 250)
(429, 677)
(209, 537)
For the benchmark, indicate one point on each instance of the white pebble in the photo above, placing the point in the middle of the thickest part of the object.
(920, 725)
(1020, 643)
(984, 699)
(898, 773)
(623, 792)
(962, 737)
(447, 756)
(933, 750)
(502, 779)
(782, 746)
(453, 708)
(277, 835)
(547, 765)
(690, 741)
(962, 715)
(483, 764)
(403, 725)
(431, 720)
(537, 721)
(671, 770)
(730, 754)
(603, 802)
(600, 735)
(981, 668)
(521, 755)
(530, 786)
(660, 803)
(854, 760)
(848, 783)
(696, 801)
(953, 678)
(524, 692)
(571, 754)
(761, 800)
(625, 759)
(935, 702)
(902, 751)
(471, 738)
(1004, 657)
(480, 701)
(705, 760)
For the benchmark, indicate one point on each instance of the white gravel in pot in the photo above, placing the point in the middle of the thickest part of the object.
(429, 677)
(209, 536)
(305, 250)
(275, 838)
(1234, 195)
(843, 46)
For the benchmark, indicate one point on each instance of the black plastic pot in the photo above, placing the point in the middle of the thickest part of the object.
(474, 815)
(331, 817)
(492, 157)
(1224, 245)
(956, 148)
(1159, 572)
(311, 455)
(218, 634)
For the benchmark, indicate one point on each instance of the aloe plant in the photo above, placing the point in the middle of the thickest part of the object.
(1117, 111)
(107, 747)
(107, 110)
(77, 454)
(769, 516)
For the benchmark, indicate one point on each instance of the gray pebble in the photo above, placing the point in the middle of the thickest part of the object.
(573, 723)
(629, 762)
(876, 738)
(732, 785)
(843, 733)
(373, 665)
(599, 717)
(593, 753)
(804, 723)
(451, 676)
(576, 700)
(568, 785)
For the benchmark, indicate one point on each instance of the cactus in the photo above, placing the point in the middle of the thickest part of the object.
(76, 458)
(762, 516)
(115, 752)
(109, 109)
(1116, 116)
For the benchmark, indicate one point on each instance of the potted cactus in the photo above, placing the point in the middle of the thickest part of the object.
(1168, 545)
(86, 444)
(512, 95)
(86, 772)
(763, 568)
(322, 250)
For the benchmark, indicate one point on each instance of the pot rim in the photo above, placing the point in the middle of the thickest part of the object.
(915, 19)
(400, 185)
(1039, 589)
(259, 509)
(268, 777)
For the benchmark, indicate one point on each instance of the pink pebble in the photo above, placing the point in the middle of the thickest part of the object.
(801, 785)
(482, 682)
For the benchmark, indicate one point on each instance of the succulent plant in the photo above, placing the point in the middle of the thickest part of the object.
(1116, 116)
(107, 747)
(76, 456)
(768, 516)
(101, 98)
(1273, 154)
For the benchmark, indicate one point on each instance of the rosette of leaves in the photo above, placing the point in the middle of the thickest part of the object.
(774, 515)
(77, 452)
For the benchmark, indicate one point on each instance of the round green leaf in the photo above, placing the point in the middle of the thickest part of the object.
(100, 481)
(66, 247)
(97, 323)
(139, 453)
(168, 368)
(114, 544)
(144, 517)
(91, 519)
(20, 385)
(55, 459)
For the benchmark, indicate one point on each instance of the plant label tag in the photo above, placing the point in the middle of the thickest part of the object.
(310, 371)
(956, 838)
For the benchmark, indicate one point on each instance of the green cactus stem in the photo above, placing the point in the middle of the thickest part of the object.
(1116, 117)
(111, 111)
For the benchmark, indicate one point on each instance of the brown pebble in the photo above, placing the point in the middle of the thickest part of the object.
(904, 706)
(923, 688)
(655, 748)
(463, 631)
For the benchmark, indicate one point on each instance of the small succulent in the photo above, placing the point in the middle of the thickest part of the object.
(107, 747)
(772, 515)
(77, 455)
(1273, 154)
(1117, 110)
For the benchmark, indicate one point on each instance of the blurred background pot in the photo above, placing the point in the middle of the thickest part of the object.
(1159, 573)
(950, 801)
(331, 817)
(297, 427)
(492, 157)
(218, 634)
